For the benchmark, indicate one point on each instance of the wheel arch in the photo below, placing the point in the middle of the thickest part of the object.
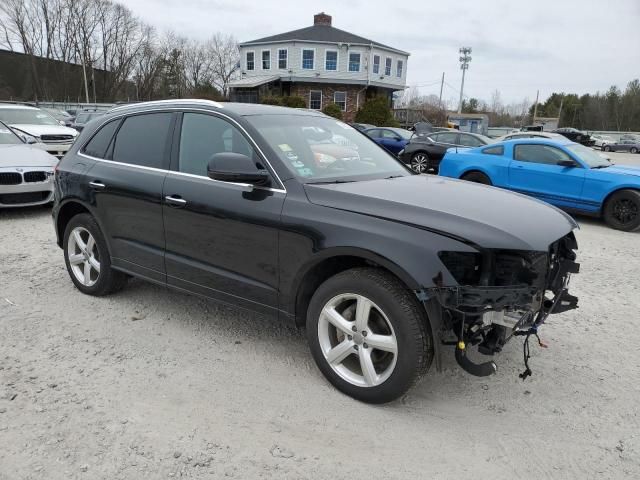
(475, 169)
(331, 262)
(66, 211)
(617, 189)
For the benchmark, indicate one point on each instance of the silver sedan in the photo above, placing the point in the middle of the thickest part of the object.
(26, 173)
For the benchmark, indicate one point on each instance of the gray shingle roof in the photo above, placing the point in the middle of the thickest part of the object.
(319, 33)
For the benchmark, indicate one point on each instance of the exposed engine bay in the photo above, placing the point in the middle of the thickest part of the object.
(502, 294)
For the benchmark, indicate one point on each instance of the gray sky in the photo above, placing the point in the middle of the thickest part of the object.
(563, 45)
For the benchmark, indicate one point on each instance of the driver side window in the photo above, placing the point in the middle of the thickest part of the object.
(202, 136)
(544, 154)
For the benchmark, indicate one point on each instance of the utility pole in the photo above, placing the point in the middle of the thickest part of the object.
(465, 58)
(560, 111)
(441, 85)
(535, 108)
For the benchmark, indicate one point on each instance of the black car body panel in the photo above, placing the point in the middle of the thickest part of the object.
(435, 145)
(263, 247)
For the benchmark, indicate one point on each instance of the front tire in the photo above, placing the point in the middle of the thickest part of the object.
(369, 335)
(87, 258)
(633, 150)
(477, 177)
(606, 148)
(622, 210)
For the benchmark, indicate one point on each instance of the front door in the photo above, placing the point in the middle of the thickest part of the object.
(221, 238)
(127, 185)
(534, 171)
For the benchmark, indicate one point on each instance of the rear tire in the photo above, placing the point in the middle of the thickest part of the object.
(87, 258)
(420, 162)
(633, 150)
(369, 335)
(622, 210)
(477, 177)
(606, 148)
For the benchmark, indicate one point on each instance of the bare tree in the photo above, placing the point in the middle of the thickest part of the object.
(225, 58)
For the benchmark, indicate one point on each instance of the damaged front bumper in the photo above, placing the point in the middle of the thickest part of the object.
(489, 315)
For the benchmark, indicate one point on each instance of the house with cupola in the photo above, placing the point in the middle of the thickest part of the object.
(321, 64)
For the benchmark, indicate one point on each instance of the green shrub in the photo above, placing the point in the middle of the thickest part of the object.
(272, 100)
(376, 111)
(333, 110)
(294, 101)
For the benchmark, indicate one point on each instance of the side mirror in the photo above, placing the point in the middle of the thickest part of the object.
(567, 163)
(236, 168)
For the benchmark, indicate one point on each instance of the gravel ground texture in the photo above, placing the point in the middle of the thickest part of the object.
(149, 383)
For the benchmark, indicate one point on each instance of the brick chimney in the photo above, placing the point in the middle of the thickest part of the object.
(322, 19)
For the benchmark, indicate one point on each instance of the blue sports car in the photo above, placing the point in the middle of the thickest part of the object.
(565, 174)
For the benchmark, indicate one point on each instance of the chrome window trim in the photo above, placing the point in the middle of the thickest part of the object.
(183, 110)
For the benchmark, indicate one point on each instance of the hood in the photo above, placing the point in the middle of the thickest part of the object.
(25, 156)
(485, 216)
(38, 130)
(623, 170)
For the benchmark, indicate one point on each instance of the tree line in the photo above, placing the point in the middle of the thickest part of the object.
(104, 35)
(613, 110)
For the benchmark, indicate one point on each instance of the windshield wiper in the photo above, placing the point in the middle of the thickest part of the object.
(393, 176)
(602, 166)
(326, 182)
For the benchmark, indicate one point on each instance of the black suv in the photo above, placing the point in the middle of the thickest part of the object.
(296, 215)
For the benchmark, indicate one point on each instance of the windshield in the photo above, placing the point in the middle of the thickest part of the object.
(319, 149)
(589, 156)
(26, 116)
(7, 137)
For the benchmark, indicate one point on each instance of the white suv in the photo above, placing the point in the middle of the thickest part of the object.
(39, 128)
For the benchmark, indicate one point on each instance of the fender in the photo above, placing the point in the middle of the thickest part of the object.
(84, 204)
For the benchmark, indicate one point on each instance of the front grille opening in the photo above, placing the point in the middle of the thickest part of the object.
(35, 176)
(10, 178)
(26, 197)
(463, 266)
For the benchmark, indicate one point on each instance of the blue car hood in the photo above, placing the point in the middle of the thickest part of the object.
(623, 170)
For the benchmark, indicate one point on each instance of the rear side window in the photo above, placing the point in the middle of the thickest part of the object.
(497, 150)
(98, 145)
(470, 141)
(142, 140)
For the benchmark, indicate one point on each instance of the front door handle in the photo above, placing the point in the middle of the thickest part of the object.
(175, 201)
(97, 185)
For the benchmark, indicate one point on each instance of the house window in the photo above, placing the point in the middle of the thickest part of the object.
(387, 66)
(251, 64)
(376, 64)
(308, 59)
(340, 99)
(331, 60)
(283, 58)
(266, 59)
(399, 68)
(315, 99)
(354, 62)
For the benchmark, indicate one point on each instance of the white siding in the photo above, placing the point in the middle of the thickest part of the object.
(295, 63)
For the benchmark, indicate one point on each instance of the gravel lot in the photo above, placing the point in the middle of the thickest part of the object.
(150, 383)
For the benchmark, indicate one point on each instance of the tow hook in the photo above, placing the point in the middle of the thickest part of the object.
(477, 369)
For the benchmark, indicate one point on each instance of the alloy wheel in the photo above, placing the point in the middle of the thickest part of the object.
(420, 163)
(83, 256)
(357, 340)
(625, 211)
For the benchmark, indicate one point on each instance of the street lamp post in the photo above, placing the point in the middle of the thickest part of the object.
(465, 58)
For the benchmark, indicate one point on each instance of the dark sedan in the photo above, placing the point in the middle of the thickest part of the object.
(632, 146)
(393, 139)
(424, 153)
(576, 136)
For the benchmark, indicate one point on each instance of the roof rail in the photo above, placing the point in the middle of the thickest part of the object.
(172, 101)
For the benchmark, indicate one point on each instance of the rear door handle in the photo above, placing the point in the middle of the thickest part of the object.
(175, 201)
(97, 185)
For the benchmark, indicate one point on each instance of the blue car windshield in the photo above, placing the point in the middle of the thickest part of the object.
(589, 156)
